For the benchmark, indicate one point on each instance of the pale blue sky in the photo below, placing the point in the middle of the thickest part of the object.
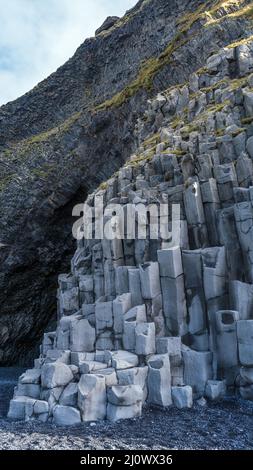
(37, 36)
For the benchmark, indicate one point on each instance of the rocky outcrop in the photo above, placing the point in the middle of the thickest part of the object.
(107, 24)
(74, 130)
(161, 320)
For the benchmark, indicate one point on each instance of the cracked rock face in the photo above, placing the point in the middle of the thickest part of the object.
(155, 321)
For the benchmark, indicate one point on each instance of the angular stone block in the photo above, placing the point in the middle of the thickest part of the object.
(109, 375)
(170, 262)
(174, 304)
(177, 375)
(55, 375)
(122, 359)
(48, 342)
(21, 408)
(31, 376)
(92, 397)
(136, 314)
(214, 263)
(134, 376)
(192, 265)
(40, 407)
(55, 355)
(78, 357)
(129, 338)
(241, 298)
(104, 316)
(197, 369)
(247, 374)
(159, 380)
(105, 341)
(145, 339)
(89, 366)
(215, 390)
(69, 301)
(116, 413)
(27, 390)
(226, 338)
(135, 286)
(82, 336)
(120, 306)
(124, 395)
(209, 192)
(121, 280)
(150, 280)
(182, 397)
(66, 416)
(69, 395)
(62, 339)
(193, 205)
(245, 342)
(172, 346)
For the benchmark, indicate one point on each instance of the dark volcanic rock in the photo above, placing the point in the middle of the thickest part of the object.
(107, 24)
(56, 146)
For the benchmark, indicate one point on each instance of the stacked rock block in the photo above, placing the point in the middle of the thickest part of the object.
(148, 321)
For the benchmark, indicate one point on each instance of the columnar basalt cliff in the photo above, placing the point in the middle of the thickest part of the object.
(151, 321)
(75, 129)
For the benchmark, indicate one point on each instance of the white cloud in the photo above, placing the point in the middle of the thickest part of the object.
(37, 36)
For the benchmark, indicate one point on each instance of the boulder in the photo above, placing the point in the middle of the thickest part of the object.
(66, 416)
(92, 397)
(182, 397)
(125, 395)
(27, 390)
(40, 407)
(215, 390)
(55, 355)
(69, 395)
(31, 376)
(122, 359)
(134, 376)
(21, 408)
(89, 366)
(116, 413)
(77, 358)
(109, 375)
(55, 375)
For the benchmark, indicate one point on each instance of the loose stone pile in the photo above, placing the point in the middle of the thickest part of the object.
(141, 321)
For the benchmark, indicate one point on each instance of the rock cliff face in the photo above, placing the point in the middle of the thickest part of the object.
(162, 320)
(75, 129)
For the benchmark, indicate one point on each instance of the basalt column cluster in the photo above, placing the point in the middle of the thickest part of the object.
(148, 321)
